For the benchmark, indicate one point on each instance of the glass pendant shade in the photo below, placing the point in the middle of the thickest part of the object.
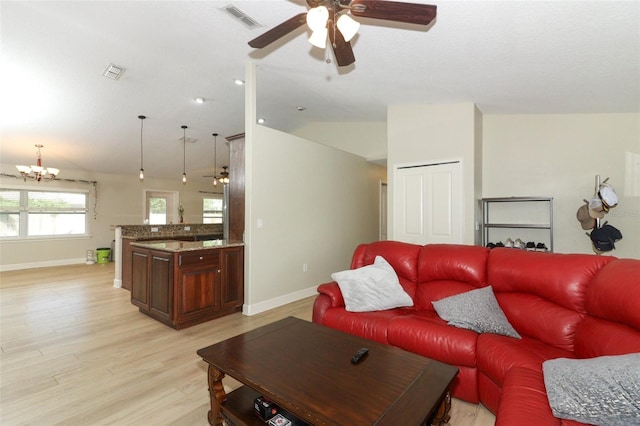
(317, 18)
(319, 38)
(348, 27)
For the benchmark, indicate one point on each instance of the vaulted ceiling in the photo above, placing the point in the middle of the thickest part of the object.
(507, 57)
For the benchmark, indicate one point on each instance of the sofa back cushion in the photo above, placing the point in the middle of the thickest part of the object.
(448, 269)
(543, 294)
(403, 258)
(612, 326)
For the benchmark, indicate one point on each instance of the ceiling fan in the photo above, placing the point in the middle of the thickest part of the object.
(331, 18)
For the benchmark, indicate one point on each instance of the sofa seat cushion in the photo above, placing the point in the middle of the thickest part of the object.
(424, 333)
(370, 325)
(498, 354)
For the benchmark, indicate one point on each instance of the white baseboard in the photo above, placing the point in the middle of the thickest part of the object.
(61, 262)
(276, 302)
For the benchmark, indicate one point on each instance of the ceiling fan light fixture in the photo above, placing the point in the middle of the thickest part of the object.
(317, 18)
(348, 27)
(319, 38)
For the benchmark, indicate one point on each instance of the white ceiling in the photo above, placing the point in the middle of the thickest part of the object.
(508, 57)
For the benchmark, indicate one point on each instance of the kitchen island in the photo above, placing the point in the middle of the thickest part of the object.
(184, 283)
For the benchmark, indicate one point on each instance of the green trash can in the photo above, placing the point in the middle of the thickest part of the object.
(103, 255)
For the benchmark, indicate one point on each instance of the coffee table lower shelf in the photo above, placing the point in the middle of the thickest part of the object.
(238, 409)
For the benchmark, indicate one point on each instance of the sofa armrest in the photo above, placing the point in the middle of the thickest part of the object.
(524, 400)
(332, 291)
(329, 296)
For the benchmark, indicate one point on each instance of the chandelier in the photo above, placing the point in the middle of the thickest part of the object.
(37, 172)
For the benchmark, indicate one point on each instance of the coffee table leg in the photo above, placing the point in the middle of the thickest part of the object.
(217, 396)
(442, 416)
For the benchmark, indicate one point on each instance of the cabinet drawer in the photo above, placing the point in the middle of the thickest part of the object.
(189, 259)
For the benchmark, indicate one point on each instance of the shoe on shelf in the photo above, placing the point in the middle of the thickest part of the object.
(508, 242)
(531, 246)
(491, 245)
(518, 243)
(499, 244)
(541, 247)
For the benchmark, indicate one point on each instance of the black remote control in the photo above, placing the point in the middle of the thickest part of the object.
(359, 356)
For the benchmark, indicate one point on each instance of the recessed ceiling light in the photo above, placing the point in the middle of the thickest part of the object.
(199, 100)
(260, 120)
(300, 108)
(239, 82)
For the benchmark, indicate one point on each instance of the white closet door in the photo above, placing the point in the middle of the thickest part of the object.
(428, 203)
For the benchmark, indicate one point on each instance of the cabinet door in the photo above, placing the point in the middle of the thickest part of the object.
(161, 285)
(197, 294)
(232, 277)
(139, 273)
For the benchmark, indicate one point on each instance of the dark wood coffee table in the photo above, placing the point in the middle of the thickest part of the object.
(306, 369)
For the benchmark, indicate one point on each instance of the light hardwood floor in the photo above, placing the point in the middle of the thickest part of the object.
(74, 351)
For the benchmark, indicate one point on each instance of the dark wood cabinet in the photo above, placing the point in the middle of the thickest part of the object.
(138, 278)
(182, 289)
(151, 283)
(232, 272)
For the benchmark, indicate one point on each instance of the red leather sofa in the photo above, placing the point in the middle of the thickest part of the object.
(562, 305)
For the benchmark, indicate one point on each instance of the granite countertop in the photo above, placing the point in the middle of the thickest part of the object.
(180, 246)
(166, 232)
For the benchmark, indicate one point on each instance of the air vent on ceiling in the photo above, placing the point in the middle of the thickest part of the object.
(241, 16)
(188, 140)
(114, 72)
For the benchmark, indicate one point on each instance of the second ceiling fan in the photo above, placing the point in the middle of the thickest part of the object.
(331, 18)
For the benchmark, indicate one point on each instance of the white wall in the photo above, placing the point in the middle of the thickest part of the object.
(315, 205)
(366, 139)
(559, 156)
(422, 134)
(120, 201)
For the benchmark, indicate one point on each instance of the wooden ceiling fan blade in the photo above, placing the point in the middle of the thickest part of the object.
(341, 49)
(279, 31)
(411, 13)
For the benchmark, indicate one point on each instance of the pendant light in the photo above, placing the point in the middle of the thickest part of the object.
(184, 155)
(215, 162)
(141, 117)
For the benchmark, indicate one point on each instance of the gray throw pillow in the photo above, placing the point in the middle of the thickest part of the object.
(598, 391)
(371, 288)
(476, 310)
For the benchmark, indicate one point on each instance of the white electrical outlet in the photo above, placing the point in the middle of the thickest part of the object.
(305, 267)
(187, 228)
(154, 229)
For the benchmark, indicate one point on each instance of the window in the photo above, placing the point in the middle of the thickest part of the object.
(27, 213)
(212, 210)
(161, 207)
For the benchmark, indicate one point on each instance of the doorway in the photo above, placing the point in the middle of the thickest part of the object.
(161, 207)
